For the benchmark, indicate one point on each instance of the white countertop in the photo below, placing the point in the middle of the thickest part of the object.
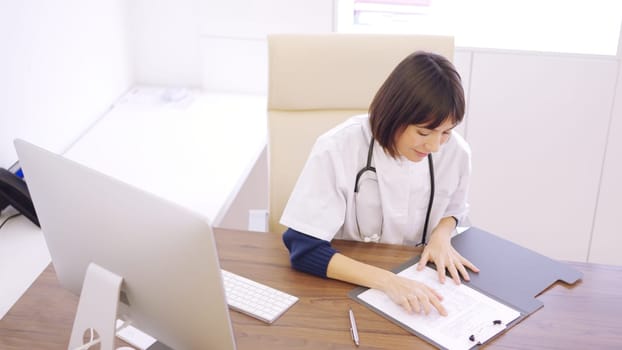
(192, 148)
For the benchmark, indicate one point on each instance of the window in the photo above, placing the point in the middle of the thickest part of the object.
(571, 26)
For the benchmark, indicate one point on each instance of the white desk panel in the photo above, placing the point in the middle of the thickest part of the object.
(23, 256)
(191, 148)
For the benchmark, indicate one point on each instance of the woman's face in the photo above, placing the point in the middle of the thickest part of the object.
(415, 142)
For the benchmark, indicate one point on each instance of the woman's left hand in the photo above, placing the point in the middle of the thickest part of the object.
(440, 251)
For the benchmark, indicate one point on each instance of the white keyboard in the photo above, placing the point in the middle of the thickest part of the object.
(255, 299)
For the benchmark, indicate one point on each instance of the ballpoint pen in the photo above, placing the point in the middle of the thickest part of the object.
(353, 330)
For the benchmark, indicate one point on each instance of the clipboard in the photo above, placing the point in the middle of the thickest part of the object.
(509, 273)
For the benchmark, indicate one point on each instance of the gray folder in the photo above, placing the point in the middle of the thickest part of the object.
(509, 273)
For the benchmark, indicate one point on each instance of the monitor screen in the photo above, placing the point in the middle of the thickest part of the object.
(172, 285)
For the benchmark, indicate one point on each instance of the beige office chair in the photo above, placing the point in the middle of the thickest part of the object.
(315, 81)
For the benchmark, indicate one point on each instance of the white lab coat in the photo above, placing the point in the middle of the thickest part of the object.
(322, 202)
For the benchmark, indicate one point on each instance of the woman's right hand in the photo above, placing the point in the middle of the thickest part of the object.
(413, 296)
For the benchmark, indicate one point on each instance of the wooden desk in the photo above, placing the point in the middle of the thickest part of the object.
(583, 316)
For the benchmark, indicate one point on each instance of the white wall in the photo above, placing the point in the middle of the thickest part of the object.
(233, 38)
(62, 64)
(545, 128)
(214, 44)
(164, 37)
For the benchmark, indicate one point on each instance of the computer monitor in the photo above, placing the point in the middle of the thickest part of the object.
(172, 285)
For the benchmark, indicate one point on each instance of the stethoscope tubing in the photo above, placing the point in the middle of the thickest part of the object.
(368, 167)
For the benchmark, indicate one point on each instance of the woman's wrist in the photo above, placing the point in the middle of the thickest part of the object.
(346, 269)
(444, 229)
(378, 278)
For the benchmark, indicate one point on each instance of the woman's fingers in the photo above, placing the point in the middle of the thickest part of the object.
(453, 272)
(430, 300)
(415, 297)
(423, 261)
(414, 303)
(440, 270)
(456, 265)
(426, 300)
(464, 272)
(468, 264)
(406, 304)
(438, 306)
(462, 264)
(422, 301)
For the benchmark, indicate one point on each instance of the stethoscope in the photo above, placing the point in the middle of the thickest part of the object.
(369, 167)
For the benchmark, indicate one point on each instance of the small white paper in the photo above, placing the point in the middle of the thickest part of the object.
(135, 336)
(470, 313)
(258, 220)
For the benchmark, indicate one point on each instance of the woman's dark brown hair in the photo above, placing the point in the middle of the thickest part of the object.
(424, 89)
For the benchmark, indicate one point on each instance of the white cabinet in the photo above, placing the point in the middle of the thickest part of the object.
(537, 125)
(607, 235)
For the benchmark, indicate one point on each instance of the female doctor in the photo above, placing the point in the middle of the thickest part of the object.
(390, 176)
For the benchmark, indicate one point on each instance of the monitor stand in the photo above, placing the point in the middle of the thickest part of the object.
(97, 309)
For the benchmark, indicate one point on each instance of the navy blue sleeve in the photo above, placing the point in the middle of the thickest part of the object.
(308, 254)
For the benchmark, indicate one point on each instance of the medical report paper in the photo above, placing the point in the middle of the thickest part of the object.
(472, 317)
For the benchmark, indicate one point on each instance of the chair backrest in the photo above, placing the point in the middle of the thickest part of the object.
(315, 81)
